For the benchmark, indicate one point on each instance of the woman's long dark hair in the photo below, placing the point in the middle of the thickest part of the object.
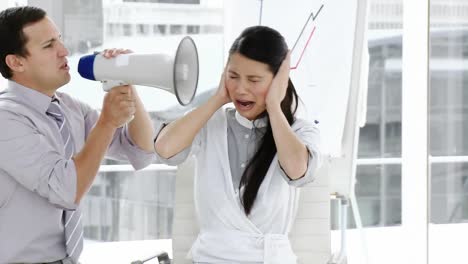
(266, 45)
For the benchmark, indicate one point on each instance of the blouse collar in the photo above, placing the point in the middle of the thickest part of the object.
(257, 123)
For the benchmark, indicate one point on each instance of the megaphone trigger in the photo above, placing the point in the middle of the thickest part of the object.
(107, 85)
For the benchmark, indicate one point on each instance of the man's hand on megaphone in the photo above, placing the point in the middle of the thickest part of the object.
(119, 106)
(222, 95)
(111, 53)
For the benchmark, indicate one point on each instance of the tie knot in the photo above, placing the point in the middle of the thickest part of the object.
(54, 110)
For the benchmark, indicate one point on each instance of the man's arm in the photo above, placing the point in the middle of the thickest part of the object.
(141, 128)
(30, 159)
(117, 108)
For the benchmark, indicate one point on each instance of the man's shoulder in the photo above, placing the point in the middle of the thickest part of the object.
(68, 98)
(13, 105)
(73, 102)
(10, 102)
(13, 110)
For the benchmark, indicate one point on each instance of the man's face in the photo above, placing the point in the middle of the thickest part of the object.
(45, 67)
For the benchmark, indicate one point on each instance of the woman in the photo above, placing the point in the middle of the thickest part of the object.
(251, 158)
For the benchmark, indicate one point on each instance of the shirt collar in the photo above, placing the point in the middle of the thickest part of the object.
(35, 99)
(261, 122)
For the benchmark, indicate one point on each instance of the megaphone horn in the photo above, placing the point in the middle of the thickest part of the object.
(177, 74)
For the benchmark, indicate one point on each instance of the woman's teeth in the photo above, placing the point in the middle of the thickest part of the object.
(245, 103)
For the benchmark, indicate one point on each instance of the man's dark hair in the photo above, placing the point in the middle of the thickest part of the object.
(12, 37)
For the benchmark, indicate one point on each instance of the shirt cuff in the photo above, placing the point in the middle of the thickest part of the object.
(309, 175)
(177, 158)
(62, 185)
(138, 157)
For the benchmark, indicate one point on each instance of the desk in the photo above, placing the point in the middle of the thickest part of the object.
(123, 252)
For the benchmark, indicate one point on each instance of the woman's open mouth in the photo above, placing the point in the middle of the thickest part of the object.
(244, 105)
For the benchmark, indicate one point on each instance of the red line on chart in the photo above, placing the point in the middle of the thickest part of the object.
(303, 50)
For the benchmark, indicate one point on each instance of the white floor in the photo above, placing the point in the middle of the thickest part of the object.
(448, 244)
(124, 252)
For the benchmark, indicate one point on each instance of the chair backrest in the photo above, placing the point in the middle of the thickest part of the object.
(184, 228)
(310, 235)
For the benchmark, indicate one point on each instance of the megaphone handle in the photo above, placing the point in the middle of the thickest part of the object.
(109, 84)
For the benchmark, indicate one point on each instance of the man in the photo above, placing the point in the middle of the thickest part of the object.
(51, 145)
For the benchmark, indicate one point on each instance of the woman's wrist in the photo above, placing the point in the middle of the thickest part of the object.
(218, 100)
(273, 108)
(215, 103)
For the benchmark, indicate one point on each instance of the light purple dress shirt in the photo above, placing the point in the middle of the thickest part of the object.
(37, 182)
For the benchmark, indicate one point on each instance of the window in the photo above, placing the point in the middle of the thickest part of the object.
(448, 126)
(159, 29)
(175, 29)
(127, 30)
(193, 29)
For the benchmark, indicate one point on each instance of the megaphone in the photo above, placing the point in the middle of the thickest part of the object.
(177, 74)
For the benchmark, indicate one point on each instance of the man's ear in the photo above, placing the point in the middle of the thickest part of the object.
(15, 63)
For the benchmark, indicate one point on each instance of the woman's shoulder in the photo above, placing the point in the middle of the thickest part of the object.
(219, 117)
(229, 112)
(223, 113)
(301, 122)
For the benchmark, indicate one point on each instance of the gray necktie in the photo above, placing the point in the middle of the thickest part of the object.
(72, 219)
(55, 112)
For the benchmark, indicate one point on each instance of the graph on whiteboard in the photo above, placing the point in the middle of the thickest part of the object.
(321, 36)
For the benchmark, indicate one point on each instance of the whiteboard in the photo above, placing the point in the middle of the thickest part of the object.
(323, 77)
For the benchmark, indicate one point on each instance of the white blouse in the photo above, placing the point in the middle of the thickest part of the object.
(227, 234)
